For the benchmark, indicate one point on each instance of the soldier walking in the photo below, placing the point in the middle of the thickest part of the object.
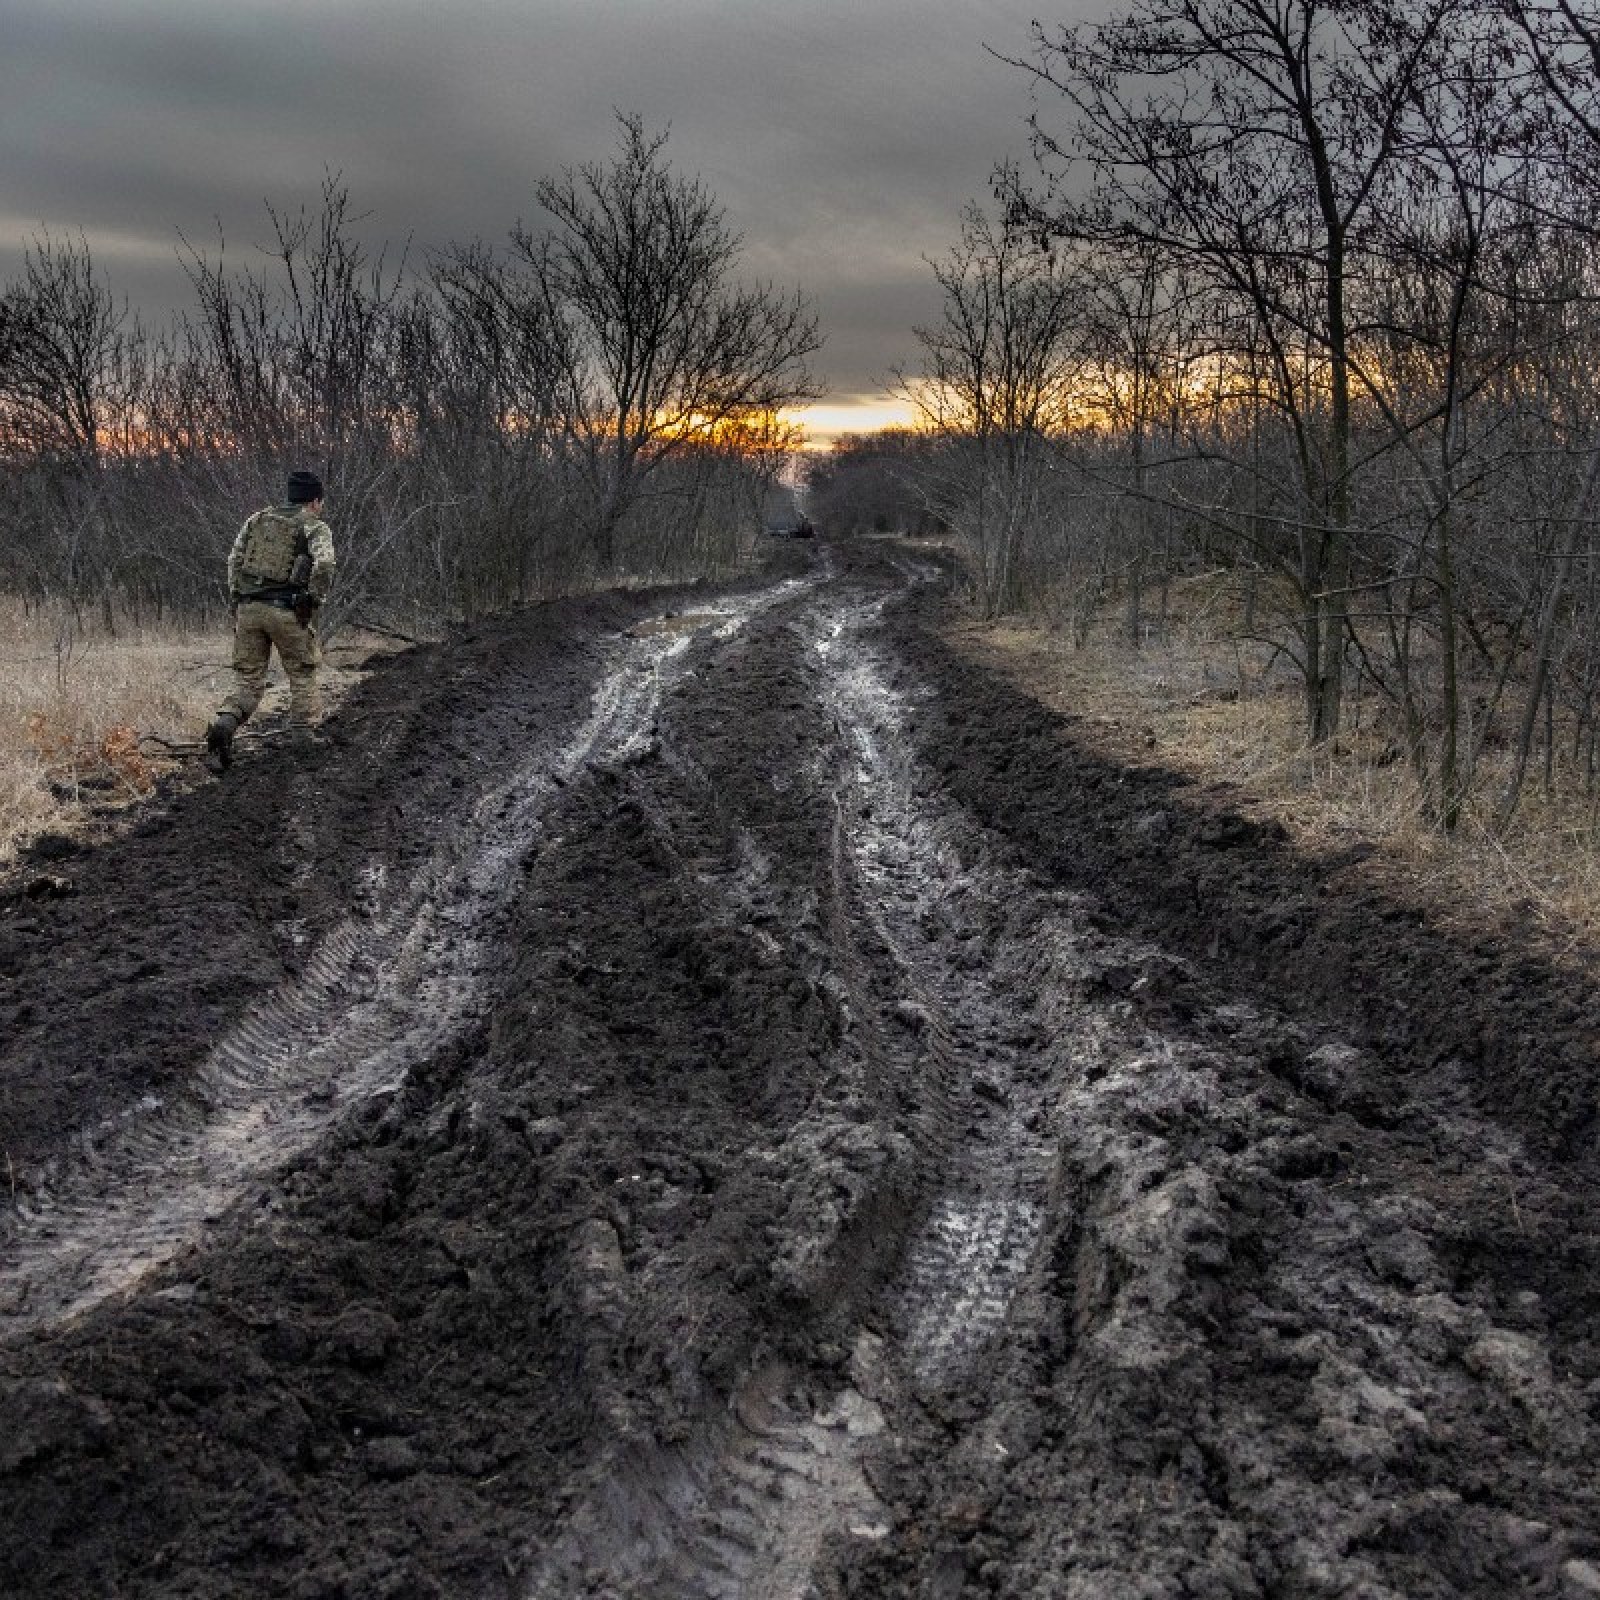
(279, 571)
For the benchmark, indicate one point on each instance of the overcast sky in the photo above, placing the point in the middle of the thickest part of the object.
(843, 136)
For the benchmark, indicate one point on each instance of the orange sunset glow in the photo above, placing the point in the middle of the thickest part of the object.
(829, 420)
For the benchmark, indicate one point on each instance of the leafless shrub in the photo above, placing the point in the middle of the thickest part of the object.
(481, 445)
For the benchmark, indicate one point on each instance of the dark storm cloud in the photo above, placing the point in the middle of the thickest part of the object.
(842, 137)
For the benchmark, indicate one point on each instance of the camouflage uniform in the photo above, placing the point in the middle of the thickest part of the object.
(282, 559)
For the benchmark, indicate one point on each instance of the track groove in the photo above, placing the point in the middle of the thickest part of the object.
(382, 991)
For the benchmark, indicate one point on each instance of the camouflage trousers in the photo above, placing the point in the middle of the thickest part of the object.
(257, 629)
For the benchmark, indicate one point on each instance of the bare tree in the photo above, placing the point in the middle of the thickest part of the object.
(484, 424)
(995, 381)
(64, 352)
(1562, 40)
(869, 483)
(1245, 139)
(661, 349)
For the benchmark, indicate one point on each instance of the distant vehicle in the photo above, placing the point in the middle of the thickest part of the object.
(802, 529)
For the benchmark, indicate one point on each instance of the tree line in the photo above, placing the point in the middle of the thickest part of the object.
(1302, 294)
(595, 396)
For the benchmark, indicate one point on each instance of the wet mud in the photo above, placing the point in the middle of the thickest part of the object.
(715, 1094)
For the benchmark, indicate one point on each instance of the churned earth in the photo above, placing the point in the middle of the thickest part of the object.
(715, 1094)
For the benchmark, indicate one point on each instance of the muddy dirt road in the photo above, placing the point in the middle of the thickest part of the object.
(714, 1095)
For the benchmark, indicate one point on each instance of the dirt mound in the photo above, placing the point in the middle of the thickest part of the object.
(1178, 864)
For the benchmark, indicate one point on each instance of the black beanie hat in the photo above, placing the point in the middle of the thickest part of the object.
(304, 487)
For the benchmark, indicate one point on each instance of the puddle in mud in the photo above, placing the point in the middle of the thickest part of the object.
(686, 622)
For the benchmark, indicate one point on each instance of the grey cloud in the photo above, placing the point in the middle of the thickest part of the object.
(842, 137)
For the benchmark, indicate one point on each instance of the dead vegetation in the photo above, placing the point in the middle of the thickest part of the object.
(91, 721)
(1195, 698)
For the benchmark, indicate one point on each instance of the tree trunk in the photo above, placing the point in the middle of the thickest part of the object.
(1334, 600)
(1542, 651)
(1450, 795)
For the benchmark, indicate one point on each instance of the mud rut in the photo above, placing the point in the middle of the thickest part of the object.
(389, 986)
(735, 1158)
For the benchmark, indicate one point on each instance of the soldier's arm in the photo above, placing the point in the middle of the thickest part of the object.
(319, 541)
(236, 560)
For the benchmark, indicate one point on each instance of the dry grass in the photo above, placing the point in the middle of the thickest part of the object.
(87, 718)
(1225, 713)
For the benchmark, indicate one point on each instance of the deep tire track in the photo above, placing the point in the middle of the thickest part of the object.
(771, 1475)
(711, 1519)
(832, 1186)
(385, 990)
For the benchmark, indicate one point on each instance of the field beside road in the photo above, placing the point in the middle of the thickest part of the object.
(1199, 697)
(95, 720)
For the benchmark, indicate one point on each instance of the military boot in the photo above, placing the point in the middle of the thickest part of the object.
(219, 739)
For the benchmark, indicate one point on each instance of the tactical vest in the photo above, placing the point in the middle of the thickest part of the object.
(273, 539)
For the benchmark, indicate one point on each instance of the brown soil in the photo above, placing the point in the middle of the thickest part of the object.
(719, 1094)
